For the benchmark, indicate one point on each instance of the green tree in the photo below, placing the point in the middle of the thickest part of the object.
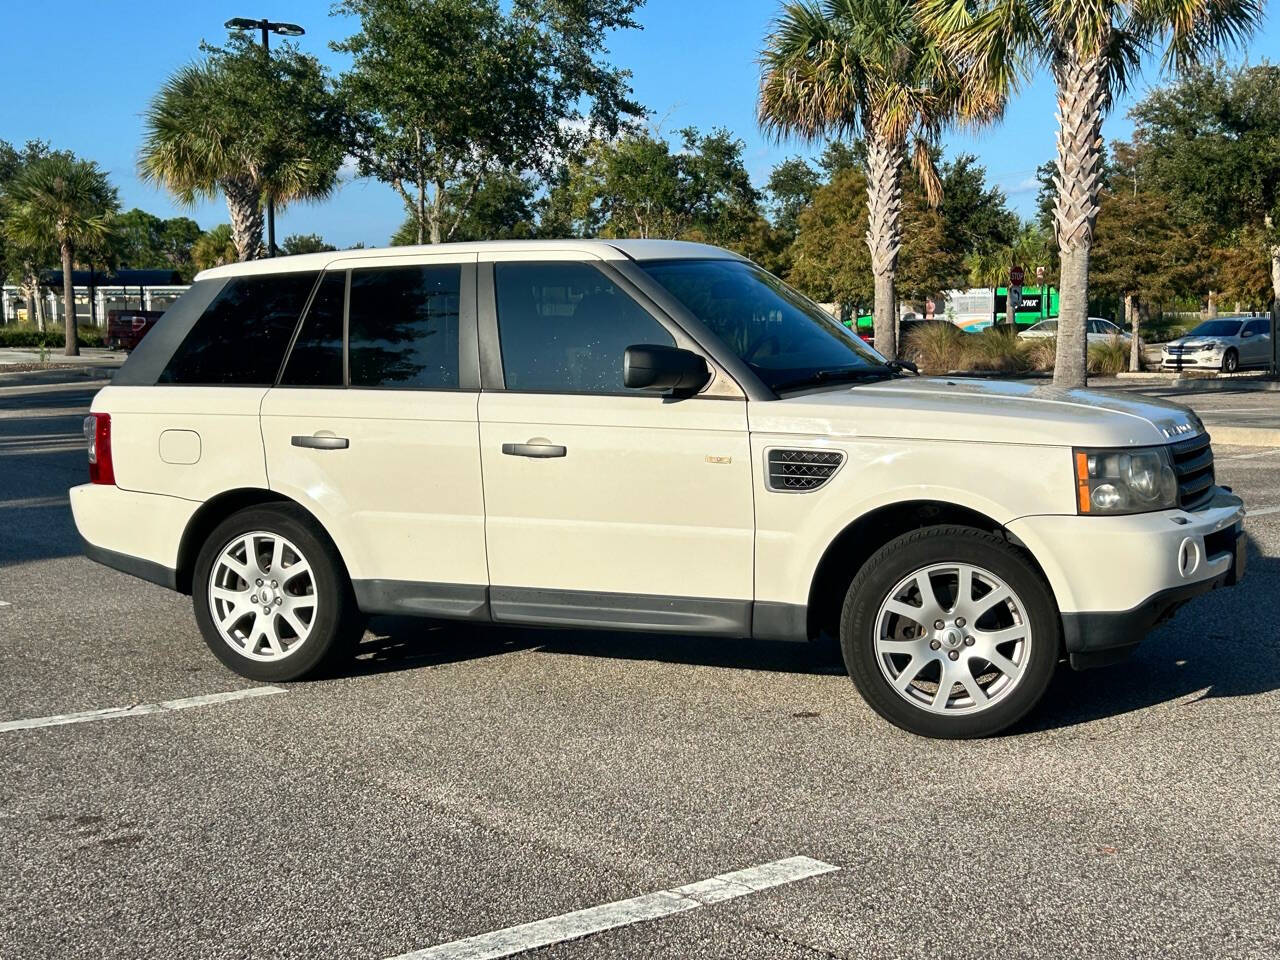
(297, 243)
(443, 94)
(637, 185)
(214, 247)
(251, 126)
(976, 215)
(1211, 143)
(63, 202)
(790, 188)
(503, 208)
(1092, 50)
(177, 238)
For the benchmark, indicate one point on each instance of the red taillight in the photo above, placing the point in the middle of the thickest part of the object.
(97, 434)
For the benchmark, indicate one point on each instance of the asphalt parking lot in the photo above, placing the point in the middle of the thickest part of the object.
(458, 781)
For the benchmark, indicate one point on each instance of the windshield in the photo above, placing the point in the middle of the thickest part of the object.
(785, 338)
(1216, 328)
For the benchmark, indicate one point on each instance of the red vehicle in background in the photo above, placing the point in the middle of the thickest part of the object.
(125, 328)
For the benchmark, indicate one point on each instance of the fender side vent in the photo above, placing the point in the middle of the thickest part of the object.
(799, 471)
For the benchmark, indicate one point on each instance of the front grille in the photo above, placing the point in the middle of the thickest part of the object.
(1193, 466)
(799, 471)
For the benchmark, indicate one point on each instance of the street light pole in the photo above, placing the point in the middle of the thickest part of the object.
(267, 27)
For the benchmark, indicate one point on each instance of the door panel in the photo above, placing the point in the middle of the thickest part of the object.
(403, 498)
(651, 497)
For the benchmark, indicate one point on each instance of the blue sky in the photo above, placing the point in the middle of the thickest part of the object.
(694, 63)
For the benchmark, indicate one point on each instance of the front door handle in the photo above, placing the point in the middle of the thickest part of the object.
(322, 442)
(534, 448)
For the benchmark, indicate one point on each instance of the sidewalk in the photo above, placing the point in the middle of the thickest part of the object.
(21, 366)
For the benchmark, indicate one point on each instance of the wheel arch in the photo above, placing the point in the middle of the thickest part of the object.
(855, 544)
(213, 511)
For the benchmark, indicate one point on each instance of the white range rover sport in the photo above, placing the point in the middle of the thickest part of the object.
(640, 435)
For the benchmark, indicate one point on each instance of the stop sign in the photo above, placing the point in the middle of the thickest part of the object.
(1015, 276)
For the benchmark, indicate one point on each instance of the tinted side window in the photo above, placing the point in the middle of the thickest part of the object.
(403, 327)
(565, 326)
(316, 358)
(1258, 327)
(242, 335)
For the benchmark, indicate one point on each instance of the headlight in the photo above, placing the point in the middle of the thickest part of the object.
(1210, 347)
(1125, 481)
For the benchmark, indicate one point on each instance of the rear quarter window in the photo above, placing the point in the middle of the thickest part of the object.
(241, 337)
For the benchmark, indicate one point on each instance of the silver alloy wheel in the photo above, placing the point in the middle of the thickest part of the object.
(262, 596)
(953, 638)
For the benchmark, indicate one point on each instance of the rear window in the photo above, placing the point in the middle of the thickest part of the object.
(242, 335)
(402, 327)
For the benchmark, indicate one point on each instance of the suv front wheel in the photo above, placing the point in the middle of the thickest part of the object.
(948, 632)
(271, 597)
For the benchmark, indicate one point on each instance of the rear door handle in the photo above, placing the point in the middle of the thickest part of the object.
(539, 448)
(322, 442)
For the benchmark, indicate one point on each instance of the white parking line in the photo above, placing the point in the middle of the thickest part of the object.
(5, 603)
(1263, 512)
(621, 913)
(138, 709)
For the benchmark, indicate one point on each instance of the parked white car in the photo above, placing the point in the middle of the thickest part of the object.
(1100, 330)
(1227, 344)
(639, 435)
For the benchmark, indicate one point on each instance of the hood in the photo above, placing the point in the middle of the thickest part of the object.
(979, 411)
(1194, 342)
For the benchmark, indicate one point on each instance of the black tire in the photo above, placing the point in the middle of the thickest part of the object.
(912, 552)
(336, 626)
(1231, 360)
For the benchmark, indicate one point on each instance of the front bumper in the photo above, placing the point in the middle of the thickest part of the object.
(1116, 577)
(1196, 360)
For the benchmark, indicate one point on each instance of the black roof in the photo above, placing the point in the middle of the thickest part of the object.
(114, 278)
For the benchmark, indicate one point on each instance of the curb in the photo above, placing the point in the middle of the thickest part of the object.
(78, 374)
(1192, 384)
(1244, 436)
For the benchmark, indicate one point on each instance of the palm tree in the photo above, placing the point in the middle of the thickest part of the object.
(248, 125)
(864, 69)
(190, 150)
(214, 247)
(61, 202)
(1092, 50)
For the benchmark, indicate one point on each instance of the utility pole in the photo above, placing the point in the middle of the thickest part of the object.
(267, 27)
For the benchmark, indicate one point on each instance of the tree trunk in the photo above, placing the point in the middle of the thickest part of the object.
(1131, 315)
(1211, 310)
(437, 212)
(244, 204)
(1083, 98)
(1275, 300)
(1009, 316)
(884, 234)
(69, 303)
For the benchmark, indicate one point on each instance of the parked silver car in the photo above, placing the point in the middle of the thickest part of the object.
(1226, 344)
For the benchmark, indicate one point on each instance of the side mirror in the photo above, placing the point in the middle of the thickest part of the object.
(651, 367)
(1245, 333)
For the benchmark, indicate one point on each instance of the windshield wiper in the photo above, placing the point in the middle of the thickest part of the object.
(838, 373)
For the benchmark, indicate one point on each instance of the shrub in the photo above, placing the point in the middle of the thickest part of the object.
(52, 338)
(996, 348)
(935, 347)
(1109, 358)
(1041, 352)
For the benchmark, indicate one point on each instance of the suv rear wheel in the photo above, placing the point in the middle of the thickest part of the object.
(272, 597)
(948, 632)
